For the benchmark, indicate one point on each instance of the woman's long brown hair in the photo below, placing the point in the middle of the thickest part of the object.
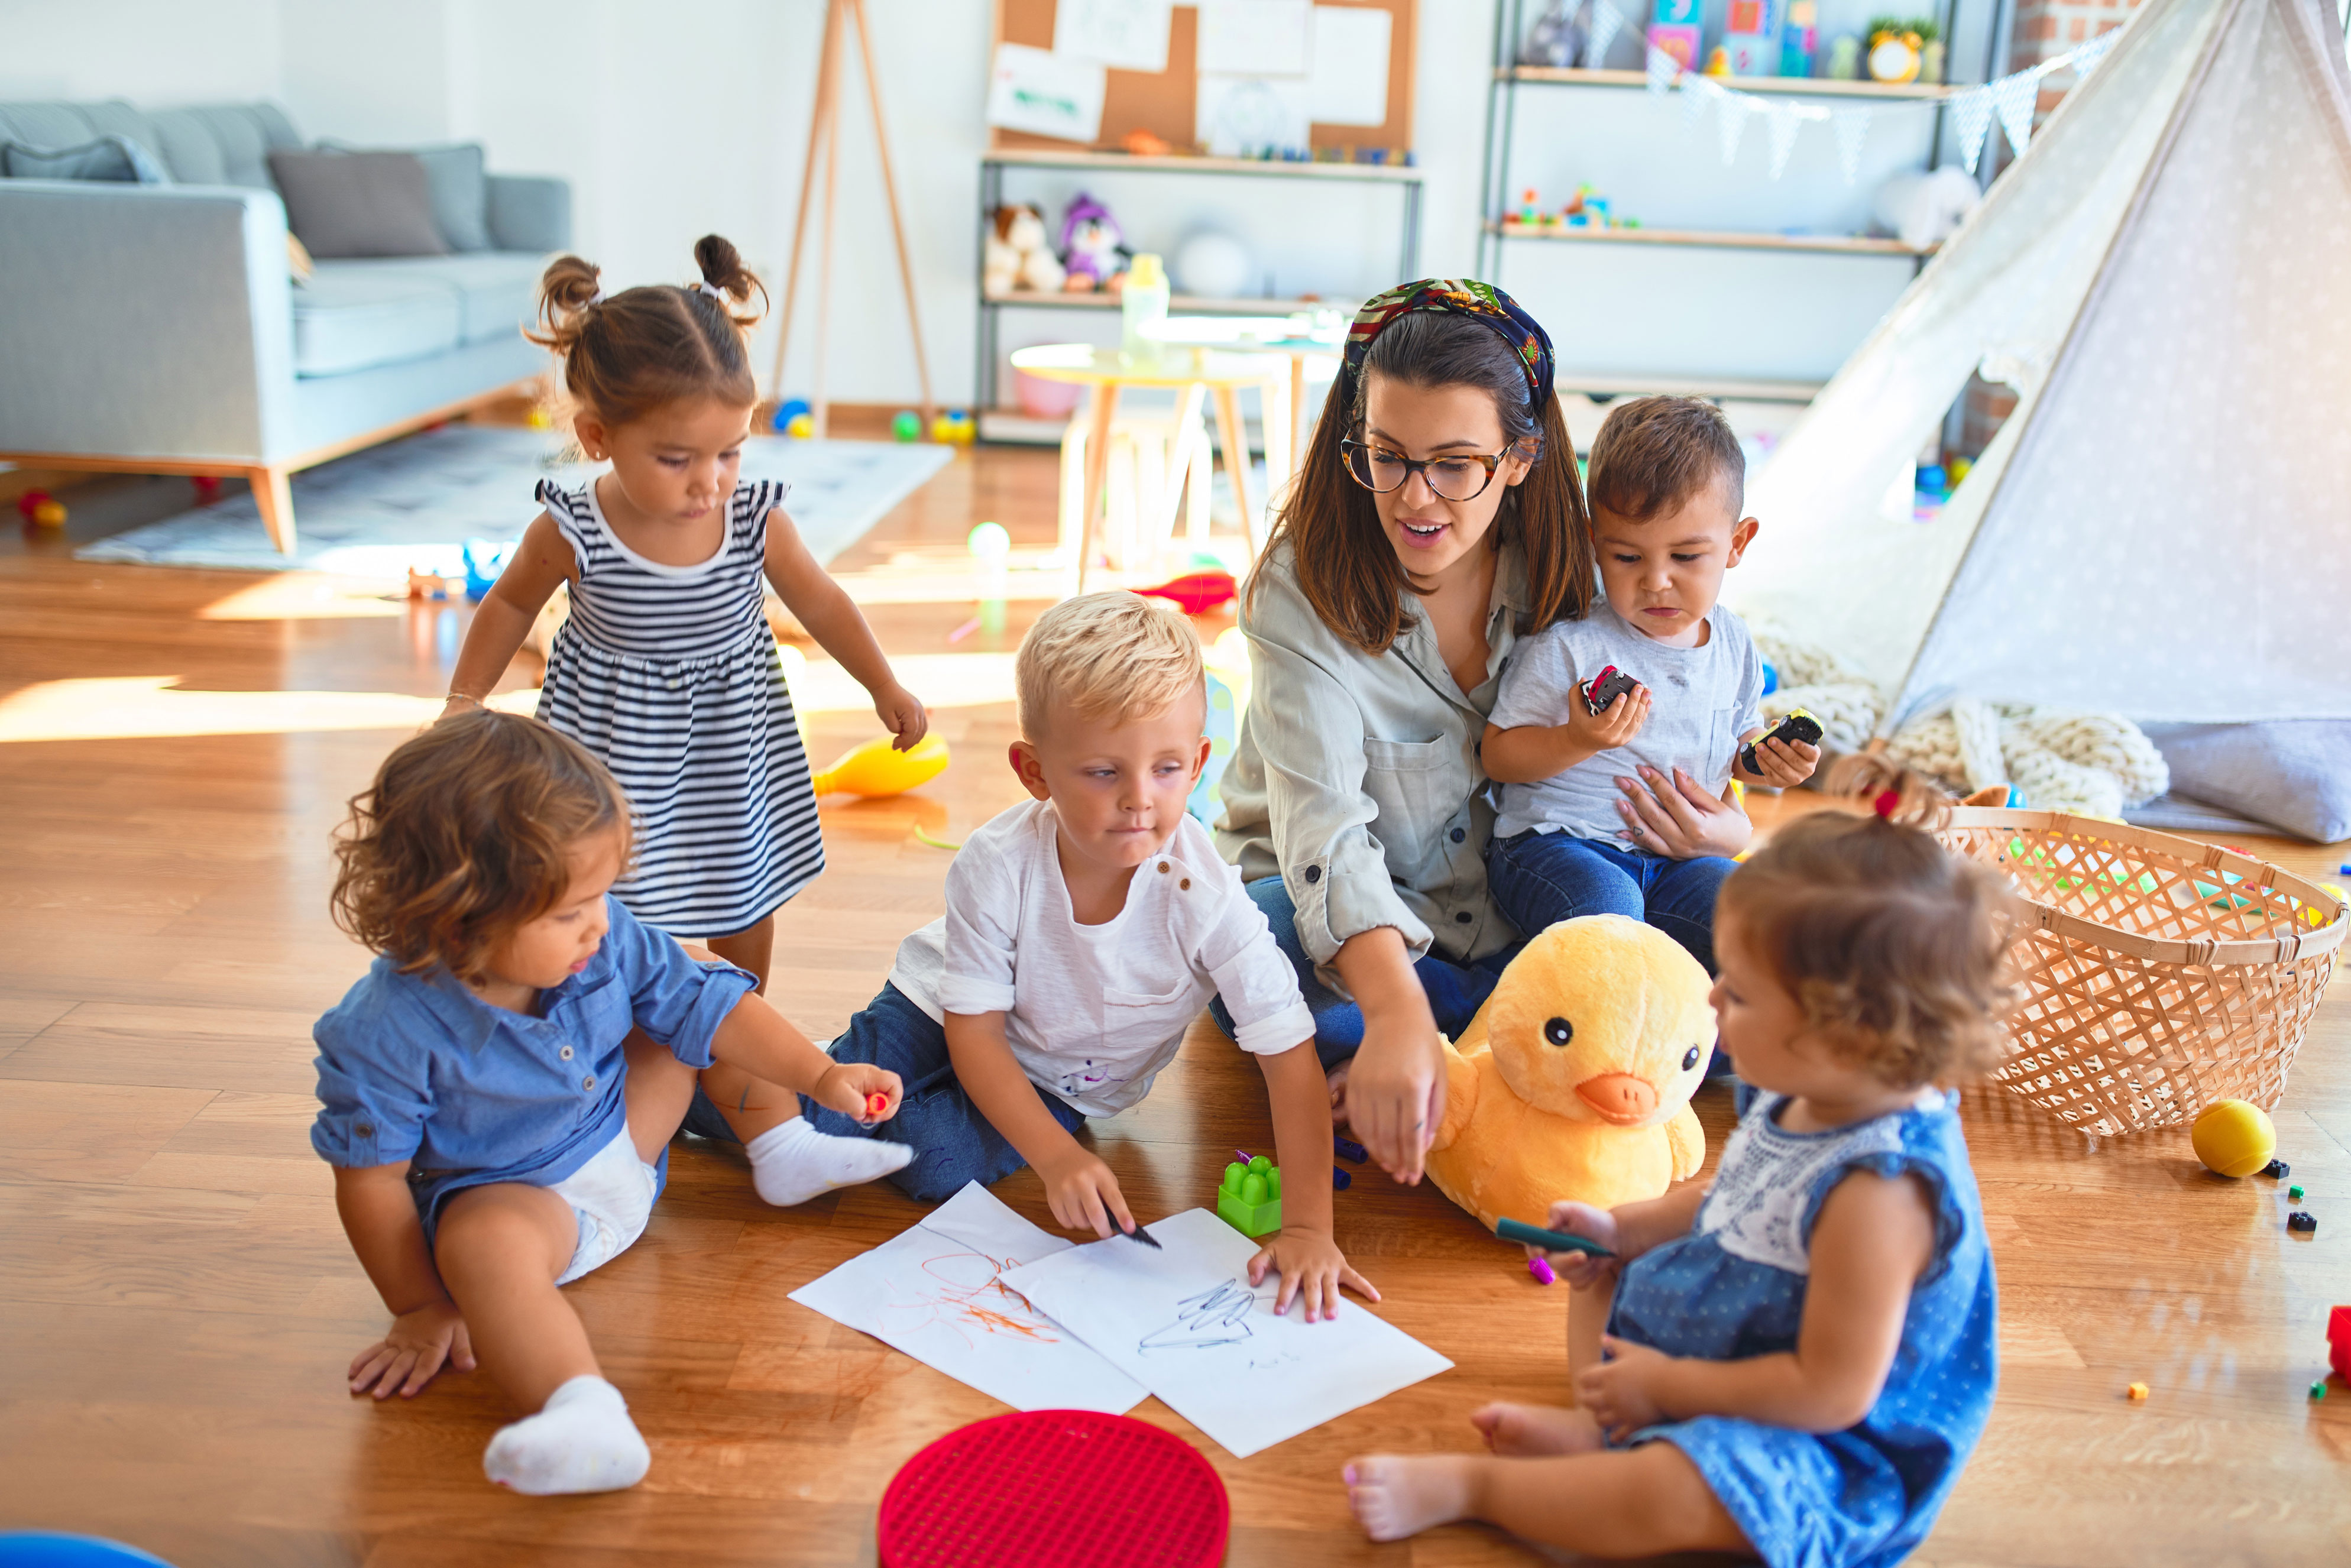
(1345, 566)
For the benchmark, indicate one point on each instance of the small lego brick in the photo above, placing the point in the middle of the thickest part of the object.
(2303, 1220)
(2293, 1193)
(1541, 1268)
(2318, 1389)
(1249, 1197)
(2137, 1392)
(1347, 1148)
(2277, 1170)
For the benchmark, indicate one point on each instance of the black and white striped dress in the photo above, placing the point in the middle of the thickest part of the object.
(670, 674)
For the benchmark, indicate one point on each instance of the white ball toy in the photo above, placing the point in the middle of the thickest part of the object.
(1212, 266)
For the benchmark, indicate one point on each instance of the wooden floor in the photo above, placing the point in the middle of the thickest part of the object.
(177, 1302)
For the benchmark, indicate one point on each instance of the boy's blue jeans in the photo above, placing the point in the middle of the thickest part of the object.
(953, 1142)
(1540, 879)
(1456, 991)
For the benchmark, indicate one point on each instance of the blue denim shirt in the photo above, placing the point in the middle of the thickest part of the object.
(418, 1068)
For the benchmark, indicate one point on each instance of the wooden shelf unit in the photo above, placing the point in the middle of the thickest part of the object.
(1799, 86)
(1716, 239)
(1177, 305)
(1188, 164)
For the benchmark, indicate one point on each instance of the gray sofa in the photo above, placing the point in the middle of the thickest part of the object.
(154, 327)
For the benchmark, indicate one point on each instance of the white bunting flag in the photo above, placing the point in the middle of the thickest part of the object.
(1852, 128)
(1733, 107)
(1782, 121)
(2087, 58)
(1972, 118)
(2013, 97)
(1697, 93)
(1606, 23)
(1662, 69)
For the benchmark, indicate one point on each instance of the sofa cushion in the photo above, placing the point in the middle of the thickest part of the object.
(354, 315)
(356, 204)
(496, 291)
(246, 133)
(459, 186)
(187, 145)
(48, 124)
(115, 159)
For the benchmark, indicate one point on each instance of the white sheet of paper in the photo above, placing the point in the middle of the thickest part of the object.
(1253, 38)
(1236, 116)
(1347, 78)
(1039, 92)
(1129, 34)
(936, 1292)
(1185, 1324)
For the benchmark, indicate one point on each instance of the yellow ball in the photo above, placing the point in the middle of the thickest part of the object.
(49, 514)
(801, 427)
(2233, 1138)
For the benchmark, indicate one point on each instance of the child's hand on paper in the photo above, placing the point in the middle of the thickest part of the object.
(1621, 1391)
(850, 1087)
(1582, 1270)
(416, 1346)
(1084, 1195)
(1311, 1267)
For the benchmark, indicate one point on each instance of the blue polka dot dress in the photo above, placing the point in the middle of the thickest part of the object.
(1734, 1287)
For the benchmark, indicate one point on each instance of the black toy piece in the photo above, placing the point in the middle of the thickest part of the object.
(2276, 1170)
(1606, 687)
(2301, 1220)
(1799, 726)
(1349, 1148)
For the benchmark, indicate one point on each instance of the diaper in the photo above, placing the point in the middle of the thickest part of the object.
(611, 1197)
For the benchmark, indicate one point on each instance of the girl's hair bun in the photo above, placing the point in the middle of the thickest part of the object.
(566, 289)
(723, 270)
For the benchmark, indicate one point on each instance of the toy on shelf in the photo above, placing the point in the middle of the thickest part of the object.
(2233, 1138)
(906, 425)
(1213, 266)
(1016, 254)
(1574, 1081)
(1845, 59)
(1799, 36)
(876, 769)
(1249, 1197)
(1678, 27)
(1717, 64)
(1093, 247)
(1196, 592)
(1557, 37)
(954, 427)
(1893, 46)
(1751, 37)
(1143, 143)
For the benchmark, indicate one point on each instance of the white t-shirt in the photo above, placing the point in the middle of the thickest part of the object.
(1093, 1012)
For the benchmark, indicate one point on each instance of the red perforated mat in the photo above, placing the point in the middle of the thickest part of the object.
(1055, 1488)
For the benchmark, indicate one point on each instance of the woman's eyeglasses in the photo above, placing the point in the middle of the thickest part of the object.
(1452, 478)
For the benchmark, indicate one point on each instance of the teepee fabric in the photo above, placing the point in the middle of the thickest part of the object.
(2160, 529)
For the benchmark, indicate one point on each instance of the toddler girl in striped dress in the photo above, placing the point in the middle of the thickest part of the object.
(665, 669)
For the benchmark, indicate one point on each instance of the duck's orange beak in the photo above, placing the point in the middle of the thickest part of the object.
(1619, 1097)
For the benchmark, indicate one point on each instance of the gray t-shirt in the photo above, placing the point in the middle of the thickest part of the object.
(1702, 700)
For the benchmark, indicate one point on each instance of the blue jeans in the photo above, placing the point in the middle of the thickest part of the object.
(953, 1142)
(1540, 879)
(1456, 991)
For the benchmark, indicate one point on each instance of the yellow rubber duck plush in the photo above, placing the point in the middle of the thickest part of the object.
(1575, 1079)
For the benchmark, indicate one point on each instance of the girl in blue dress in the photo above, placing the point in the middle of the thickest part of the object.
(1798, 1360)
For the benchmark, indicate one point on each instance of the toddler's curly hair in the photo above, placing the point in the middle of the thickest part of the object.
(1895, 947)
(627, 353)
(465, 835)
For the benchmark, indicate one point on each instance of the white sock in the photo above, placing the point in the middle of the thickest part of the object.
(793, 1162)
(581, 1440)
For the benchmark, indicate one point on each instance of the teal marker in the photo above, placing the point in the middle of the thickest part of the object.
(1556, 1240)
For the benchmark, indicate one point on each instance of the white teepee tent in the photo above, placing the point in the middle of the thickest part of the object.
(2163, 528)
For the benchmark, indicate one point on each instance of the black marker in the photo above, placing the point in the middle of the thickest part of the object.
(1140, 1234)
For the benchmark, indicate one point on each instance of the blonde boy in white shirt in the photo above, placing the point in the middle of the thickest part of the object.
(1085, 930)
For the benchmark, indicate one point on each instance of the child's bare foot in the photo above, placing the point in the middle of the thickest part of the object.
(1337, 1079)
(1536, 1431)
(1395, 1496)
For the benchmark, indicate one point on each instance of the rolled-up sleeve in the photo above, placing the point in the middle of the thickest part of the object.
(677, 1001)
(373, 1101)
(1309, 734)
(1256, 983)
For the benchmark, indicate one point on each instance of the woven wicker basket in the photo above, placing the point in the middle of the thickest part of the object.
(2158, 973)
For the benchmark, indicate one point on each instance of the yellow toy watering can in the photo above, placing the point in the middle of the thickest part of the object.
(873, 769)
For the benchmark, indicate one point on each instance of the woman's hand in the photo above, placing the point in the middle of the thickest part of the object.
(1622, 1392)
(903, 713)
(1674, 817)
(1311, 1267)
(848, 1087)
(1395, 1088)
(1083, 1194)
(416, 1347)
(1582, 1270)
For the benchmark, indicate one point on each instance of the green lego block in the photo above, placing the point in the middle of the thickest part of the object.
(1249, 1197)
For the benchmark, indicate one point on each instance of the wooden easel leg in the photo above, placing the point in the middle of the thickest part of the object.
(1097, 471)
(1233, 435)
(819, 125)
(897, 222)
(274, 496)
(819, 402)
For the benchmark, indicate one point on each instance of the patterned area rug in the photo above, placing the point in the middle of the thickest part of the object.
(414, 502)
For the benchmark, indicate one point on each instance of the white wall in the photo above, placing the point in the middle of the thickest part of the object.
(159, 52)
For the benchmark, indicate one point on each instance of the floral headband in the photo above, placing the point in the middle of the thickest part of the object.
(1480, 302)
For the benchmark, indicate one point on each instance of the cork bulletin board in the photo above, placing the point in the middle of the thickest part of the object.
(1162, 102)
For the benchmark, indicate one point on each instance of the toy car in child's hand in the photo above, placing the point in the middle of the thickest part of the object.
(1606, 687)
(1798, 729)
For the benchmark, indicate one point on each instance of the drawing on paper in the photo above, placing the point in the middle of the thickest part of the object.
(964, 1291)
(1217, 1316)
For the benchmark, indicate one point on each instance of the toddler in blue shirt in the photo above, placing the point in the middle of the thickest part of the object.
(498, 1092)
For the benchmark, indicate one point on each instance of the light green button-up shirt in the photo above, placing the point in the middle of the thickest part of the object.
(1357, 778)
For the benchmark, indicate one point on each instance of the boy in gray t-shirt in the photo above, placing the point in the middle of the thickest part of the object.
(1580, 828)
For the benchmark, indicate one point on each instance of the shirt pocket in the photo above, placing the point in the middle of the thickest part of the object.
(1417, 785)
(1138, 1021)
